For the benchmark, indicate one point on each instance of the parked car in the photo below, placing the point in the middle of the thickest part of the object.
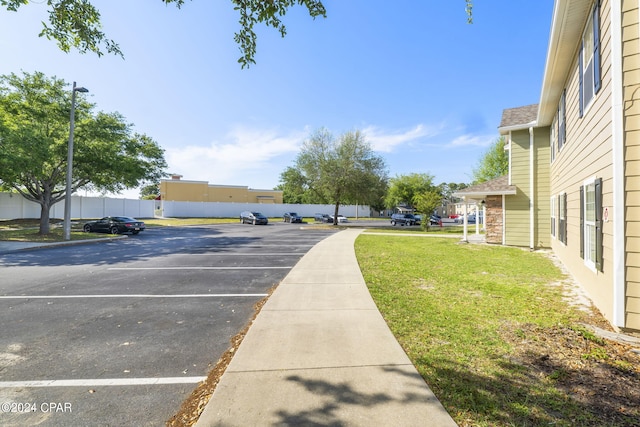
(418, 219)
(434, 219)
(114, 225)
(291, 217)
(319, 217)
(403, 219)
(456, 218)
(341, 218)
(253, 218)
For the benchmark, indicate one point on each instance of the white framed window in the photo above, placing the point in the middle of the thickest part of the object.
(589, 59)
(553, 216)
(591, 223)
(562, 120)
(562, 217)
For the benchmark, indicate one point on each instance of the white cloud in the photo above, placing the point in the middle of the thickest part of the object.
(386, 142)
(472, 140)
(242, 152)
(256, 157)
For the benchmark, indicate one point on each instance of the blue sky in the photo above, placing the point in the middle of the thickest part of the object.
(425, 87)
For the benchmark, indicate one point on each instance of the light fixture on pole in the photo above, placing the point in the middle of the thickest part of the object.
(67, 194)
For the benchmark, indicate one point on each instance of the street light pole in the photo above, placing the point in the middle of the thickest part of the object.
(67, 195)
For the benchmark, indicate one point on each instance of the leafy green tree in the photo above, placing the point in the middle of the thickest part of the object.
(378, 203)
(76, 23)
(427, 202)
(406, 190)
(469, 10)
(296, 189)
(267, 12)
(493, 164)
(34, 137)
(447, 190)
(150, 192)
(346, 170)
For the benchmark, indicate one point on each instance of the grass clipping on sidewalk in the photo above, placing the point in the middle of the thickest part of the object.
(493, 332)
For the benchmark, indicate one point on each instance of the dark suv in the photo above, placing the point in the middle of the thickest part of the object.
(291, 217)
(403, 219)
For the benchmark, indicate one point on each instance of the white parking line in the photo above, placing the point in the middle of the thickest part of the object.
(200, 268)
(130, 296)
(101, 382)
(272, 245)
(239, 254)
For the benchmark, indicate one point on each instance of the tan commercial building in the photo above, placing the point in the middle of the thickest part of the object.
(179, 190)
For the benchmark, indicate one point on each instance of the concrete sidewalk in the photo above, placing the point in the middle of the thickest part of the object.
(320, 353)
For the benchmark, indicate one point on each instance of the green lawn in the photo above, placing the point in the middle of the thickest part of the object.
(456, 308)
(27, 230)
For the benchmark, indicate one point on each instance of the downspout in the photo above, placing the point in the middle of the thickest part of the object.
(617, 141)
(504, 198)
(531, 191)
(510, 150)
(504, 220)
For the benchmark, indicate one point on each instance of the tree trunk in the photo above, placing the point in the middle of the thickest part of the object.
(335, 214)
(44, 218)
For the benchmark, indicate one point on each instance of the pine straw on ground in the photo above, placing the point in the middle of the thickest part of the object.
(600, 375)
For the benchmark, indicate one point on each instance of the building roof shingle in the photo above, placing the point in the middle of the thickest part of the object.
(519, 116)
(494, 187)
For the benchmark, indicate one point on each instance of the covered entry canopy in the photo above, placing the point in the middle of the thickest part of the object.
(492, 193)
(495, 187)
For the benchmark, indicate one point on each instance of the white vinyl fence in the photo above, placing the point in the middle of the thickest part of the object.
(172, 209)
(13, 206)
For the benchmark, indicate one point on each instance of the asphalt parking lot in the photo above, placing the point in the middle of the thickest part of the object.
(120, 333)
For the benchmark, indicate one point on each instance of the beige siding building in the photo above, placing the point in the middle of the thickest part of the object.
(517, 214)
(631, 156)
(575, 156)
(591, 157)
(527, 213)
(176, 189)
